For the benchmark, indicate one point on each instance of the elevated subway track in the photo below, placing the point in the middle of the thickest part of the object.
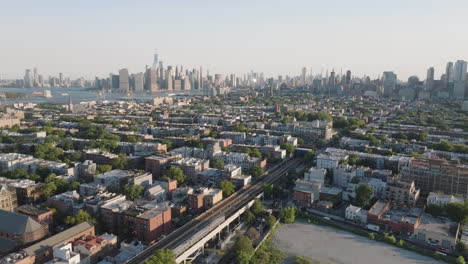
(193, 230)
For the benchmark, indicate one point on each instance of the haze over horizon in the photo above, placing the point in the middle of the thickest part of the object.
(93, 38)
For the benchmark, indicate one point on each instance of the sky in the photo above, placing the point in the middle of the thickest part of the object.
(95, 37)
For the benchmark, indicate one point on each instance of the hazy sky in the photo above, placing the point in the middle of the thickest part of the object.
(95, 37)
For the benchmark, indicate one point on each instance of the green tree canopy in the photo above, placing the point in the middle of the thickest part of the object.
(162, 256)
(80, 217)
(250, 217)
(217, 163)
(132, 191)
(177, 174)
(258, 207)
(364, 194)
(267, 190)
(301, 260)
(460, 260)
(256, 171)
(271, 220)
(244, 250)
(288, 215)
(227, 187)
(288, 147)
(103, 168)
(47, 151)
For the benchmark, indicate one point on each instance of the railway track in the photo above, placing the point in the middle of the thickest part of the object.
(225, 208)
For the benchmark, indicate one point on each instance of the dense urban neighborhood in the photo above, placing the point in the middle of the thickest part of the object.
(207, 179)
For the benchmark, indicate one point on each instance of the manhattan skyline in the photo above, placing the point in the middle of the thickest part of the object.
(275, 37)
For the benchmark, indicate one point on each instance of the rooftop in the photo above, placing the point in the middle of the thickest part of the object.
(57, 239)
(31, 210)
(17, 223)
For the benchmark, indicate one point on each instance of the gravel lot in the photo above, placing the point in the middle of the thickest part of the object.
(332, 246)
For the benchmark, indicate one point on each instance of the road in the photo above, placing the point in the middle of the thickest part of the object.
(225, 208)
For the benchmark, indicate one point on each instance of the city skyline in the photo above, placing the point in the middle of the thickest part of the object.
(82, 40)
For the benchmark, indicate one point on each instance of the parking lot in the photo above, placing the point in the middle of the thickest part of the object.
(333, 246)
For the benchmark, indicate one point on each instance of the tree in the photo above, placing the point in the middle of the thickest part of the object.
(364, 194)
(461, 246)
(258, 207)
(227, 187)
(80, 217)
(177, 174)
(371, 236)
(74, 185)
(162, 256)
(435, 209)
(277, 191)
(217, 163)
(132, 191)
(288, 215)
(355, 180)
(288, 147)
(309, 157)
(301, 260)
(256, 171)
(270, 220)
(43, 171)
(267, 190)
(103, 168)
(49, 190)
(456, 211)
(243, 250)
(49, 152)
(400, 243)
(120, 162)
(256, 153)
(66, 144)
(250, 218)
(460, 260)
(353, 159)
(390, 239)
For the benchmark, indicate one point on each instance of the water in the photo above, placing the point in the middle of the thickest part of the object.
(60, 95)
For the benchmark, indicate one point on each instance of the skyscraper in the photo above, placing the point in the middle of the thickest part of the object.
(348, 77)
(155, 60)
(124, 85)
(303, 75)
(139, 81)
(151, 79)
(459, 79)
(448, 75)
(28, 80)
(429, 79)
(389, 81)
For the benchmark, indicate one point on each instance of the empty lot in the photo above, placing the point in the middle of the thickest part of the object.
(333, 246)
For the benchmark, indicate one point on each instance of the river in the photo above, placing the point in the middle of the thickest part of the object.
(61, 95)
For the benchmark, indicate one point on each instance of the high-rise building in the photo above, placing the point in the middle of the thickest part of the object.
(35, 78)
(448, 80)
(155, 60)
(429, 79)
(151, 79)
(139, 80)
(389, 83)
(28, 79)
(233, 80)
(114, 81)
(459, 79)
(303, 75)
(169, 78)
(124, 85)
(348, 77)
